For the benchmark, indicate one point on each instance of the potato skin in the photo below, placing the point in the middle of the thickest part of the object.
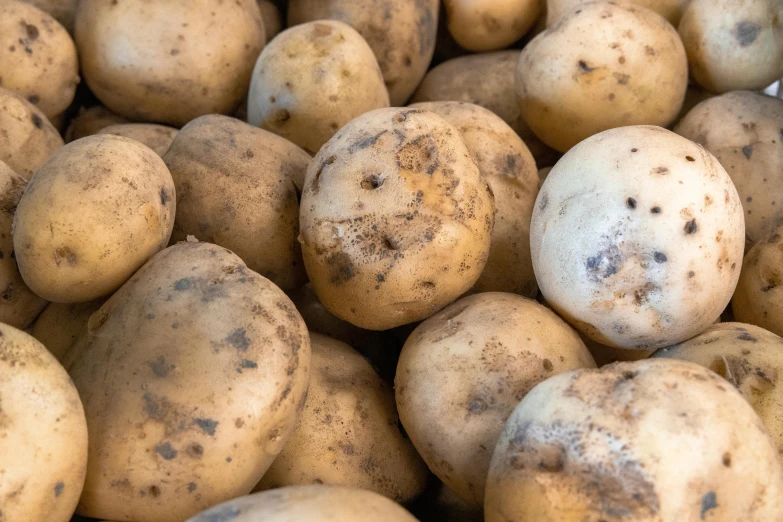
(44, 450)
(392, 245)
(60, 325)
(91, 121)
(156, 137)
(62, 10)
(669, 9)
(191, 375)
(490, 25)
(758, 299)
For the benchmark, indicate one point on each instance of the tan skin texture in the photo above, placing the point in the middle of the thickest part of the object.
(60, 325)
(91, 121)
(191, 375)
(62, 10)
(168, 61)
(651, 441)
(669, 9)
(490, 25)
(237, 187)
(758, 298)
(273, 23)
(462, 372)
(395, 219)
(156, 137)
(44, 433)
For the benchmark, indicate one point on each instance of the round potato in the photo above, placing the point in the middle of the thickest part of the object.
(156, 137)
(91, 121)
(98, 210)
(464, 370)
(59, 325)
(333, 79)
(733, 44)
(651, 440)
(62, 10)
(43, 455)
(669, 9)
(168, 61)
(758, 298)
(401, 33)
(270, 14)
(637, 238)
(489, 25)
(586, 74)
(395, 219)
(192, 375)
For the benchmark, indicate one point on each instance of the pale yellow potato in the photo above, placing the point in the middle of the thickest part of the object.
(60, 325)
(62, 10)
(490, 25)
(91, 121)
(669, 9)
(273, 22)
(758, 298)
(156, 137)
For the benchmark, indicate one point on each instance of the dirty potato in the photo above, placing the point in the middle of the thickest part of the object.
(156, 137)
(669, 9)
(758, 298)
(59, 325)
(489, 25)
(90, 121)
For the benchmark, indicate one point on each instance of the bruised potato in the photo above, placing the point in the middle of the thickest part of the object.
(489, 25)
(758, 298)
(156, 137)
(60, 325)
(669, 9)
(90, 121)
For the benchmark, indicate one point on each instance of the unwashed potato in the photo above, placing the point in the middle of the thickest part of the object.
(637, 238)
(59, 325)
(669, 9)
(603, 65)
(395, 219)
(270, 14)
(62, 10)
(91, 121)
(37, 57)
(313, 79)
(168, 61)
(509, 168)
(237, 187)
(191, 376)
(758, 298)
(43, 454)
(654, 440)
(490, 25)
(733, 44)
(401, 33)
(91, 216)
(156, 137)
(463, 371)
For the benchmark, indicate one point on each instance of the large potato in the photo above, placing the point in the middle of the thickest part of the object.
(90, 217)
(758, 298)
(464, 370)
(603, 65)
(90, 121)
(313, 79)
(489, 25)
(637, 238)
(62, 10)
(60, 325)
(395, 219)
(191, 376)
(669, 9)
(43, 453)
(156, 137)
(654, 440)
(168, 61)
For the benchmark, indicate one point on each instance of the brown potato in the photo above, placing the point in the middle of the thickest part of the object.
(60, 325)
(489, 25)
(758, 298)
(91, 121)
(156, 137)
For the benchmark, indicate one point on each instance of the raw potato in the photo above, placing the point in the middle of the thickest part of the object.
(654, 440)
(395, 219)
(43, 455)
(237, 187)
(743, 130)
(669, 9)
(349, 421)
(168, 61)
(587, 74)
(98, 210)
(758, 298)
(62, 10)
(91, 121)
(270, 14)
(637, 238)
(60, 325)
(156, 137)
(401, 33)
(734, 44)
(191, 375)
(464, 370)
(509, 168)
(37, 57)
(489, 25)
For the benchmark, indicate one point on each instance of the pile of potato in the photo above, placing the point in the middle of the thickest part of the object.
(391, 260)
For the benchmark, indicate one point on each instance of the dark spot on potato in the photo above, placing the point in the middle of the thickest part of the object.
(660, 170)
(604, 264)
(64, 255)
(195, 450)
(691, 227)
(548, 366)
(745, 336)
(419, 155)
(37, 121)
(228, 459)
(341, 268)
(154, 491)
(477, 405)
(247, 364)
(634, 150)
(58, 489)
(372, 182)
(191, 487)
(746, 33)
(317, 177)
(160, 367)
(365, 142)
(629, 375)
(390, 244)
(691, 274)
(164, 197)
(655, 210)
(769, 286)
(747, 151)
(208, 426)
(621, 78)
(708, 502)
(281, 116)
(8, 293)
(182, 284)
(238, 339)
(727, 459)
(584, 67)
(689, 158)
(401, 117)
(34, 99)
(544, 202)
(155, 408)
(630, 203)
(166, 451)
(31, 30)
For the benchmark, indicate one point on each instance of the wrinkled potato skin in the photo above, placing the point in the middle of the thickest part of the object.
(62, 10)
(156, 137)
(191, 375)
(386, 246)
(401, 33)
(758, 298)
(649, 441)
(669, 9)
(273, 22)
(91, 121)
(60, 325)
(43, 433)
(237, 187)
(490, 25)
(462, 372)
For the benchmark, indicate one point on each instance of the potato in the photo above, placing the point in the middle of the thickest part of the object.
(91, 216)
(27, 139)
(733, 44)
(156, 137)
(168, 61)
(191, 376)
(743, 130)
(62, 10)
(463, 371)
(585, 74)
(60, 325)
(669, 9)
(758, 299)
(637, 238)
(310, 503)
(43, 455)
(270, 14)
(401, 33)
(654, 440)
(490, 25)
(91, 121)
(395, 219)
(237, 187)
(509, 168)
(37, 57)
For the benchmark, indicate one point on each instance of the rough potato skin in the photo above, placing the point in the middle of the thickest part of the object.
(650, 441)
(156, 137)
(489, 25)
(462, 372)
(669, 9)
(758, 298)
(237, 187)
(91, 121)
(62, 10)
(191, 375)
(43, 454)
(60, 325)
(395, 219)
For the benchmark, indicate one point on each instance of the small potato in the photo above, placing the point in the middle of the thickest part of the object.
(603, 65)
(59, 325)
(490, 25)
(91, 121)
(758, 298)
(669, 9)
(654, 440)
(395, 219)
(270, 14)
(156, 137)
(43, 454)
(91, 216)
(62, 10)
(464, 370)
